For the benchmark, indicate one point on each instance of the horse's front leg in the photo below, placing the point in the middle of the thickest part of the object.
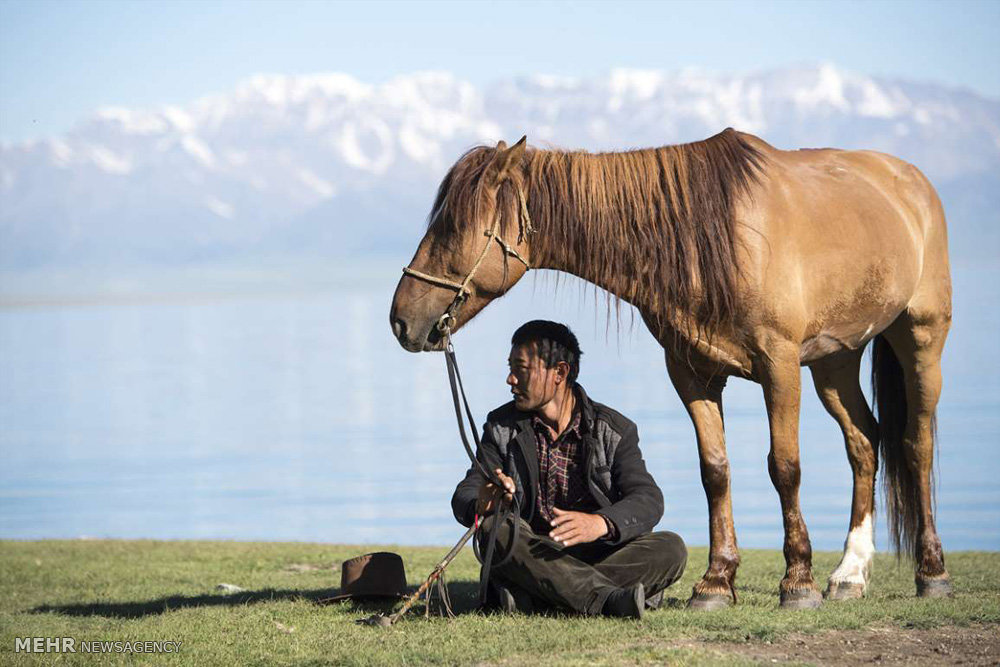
(779, 376)
(703, 400)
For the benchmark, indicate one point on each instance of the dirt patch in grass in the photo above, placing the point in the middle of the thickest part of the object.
(953, 645)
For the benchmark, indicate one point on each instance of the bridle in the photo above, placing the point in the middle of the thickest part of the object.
(450, 316)
(443, 326)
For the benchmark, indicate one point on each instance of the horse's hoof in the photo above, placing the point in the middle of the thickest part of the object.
(807, 598)
(934, 588)
(709, 601)
(844, 590)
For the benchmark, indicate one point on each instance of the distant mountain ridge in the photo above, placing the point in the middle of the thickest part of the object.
(326, 164)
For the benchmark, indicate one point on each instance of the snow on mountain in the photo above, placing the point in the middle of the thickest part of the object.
(326, 163)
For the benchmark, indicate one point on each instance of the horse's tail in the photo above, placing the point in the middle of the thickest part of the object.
(902, 502)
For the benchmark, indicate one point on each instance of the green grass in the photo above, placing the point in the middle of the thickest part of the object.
(152, 590)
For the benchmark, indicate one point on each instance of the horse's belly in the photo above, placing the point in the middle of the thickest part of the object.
(837, 339)
(853, 298)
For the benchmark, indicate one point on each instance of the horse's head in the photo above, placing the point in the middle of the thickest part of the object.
(476, 247)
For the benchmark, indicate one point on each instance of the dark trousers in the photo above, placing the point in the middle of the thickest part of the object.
(581, 577)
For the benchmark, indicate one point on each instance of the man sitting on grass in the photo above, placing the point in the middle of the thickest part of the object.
(587, 503)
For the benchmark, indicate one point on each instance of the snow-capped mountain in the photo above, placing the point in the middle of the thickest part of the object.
(328, 164)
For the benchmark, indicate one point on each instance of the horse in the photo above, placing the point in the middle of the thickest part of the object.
(743, 260)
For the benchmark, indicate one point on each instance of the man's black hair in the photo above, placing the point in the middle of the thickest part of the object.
(555, 343)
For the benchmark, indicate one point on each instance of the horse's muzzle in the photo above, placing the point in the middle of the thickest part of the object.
(428, 341)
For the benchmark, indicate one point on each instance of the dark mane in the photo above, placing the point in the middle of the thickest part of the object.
(654, 226)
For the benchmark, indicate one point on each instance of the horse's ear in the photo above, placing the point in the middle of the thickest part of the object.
(507, 158)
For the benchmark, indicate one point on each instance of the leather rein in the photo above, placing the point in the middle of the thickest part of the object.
(443, 326)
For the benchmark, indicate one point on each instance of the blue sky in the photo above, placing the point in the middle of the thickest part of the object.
(61, 60)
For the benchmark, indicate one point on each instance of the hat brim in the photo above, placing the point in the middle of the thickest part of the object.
(363, 597)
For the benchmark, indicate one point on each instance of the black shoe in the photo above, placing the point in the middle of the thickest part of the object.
(626, 602)
(505, 599)
(510, 599)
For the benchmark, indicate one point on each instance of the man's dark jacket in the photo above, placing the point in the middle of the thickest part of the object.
(616, 474)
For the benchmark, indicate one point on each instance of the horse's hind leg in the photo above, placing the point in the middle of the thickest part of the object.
(836, 380)
(703, 399)
(917, 338)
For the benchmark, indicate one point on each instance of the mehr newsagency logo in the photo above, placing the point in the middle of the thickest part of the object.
(71, 645)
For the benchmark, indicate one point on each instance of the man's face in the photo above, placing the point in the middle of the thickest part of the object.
(531, 382)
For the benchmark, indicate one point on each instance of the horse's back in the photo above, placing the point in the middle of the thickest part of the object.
(857, 183)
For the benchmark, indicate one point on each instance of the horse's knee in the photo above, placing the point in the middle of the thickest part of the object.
(785, 472)
(715, 476)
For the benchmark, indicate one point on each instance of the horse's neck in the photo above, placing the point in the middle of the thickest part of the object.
(663, 320)
(573, 246)
(566, 260)
(591, 275)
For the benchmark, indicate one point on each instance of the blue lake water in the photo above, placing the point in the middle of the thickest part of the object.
(294, 415)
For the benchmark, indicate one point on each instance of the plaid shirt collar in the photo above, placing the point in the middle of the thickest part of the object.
(575, 423)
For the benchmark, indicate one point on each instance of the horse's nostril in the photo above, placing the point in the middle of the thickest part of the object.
(399, 328)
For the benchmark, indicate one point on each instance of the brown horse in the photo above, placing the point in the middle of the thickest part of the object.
(743, 260)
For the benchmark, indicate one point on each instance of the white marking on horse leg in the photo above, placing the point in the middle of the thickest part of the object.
(859, 547)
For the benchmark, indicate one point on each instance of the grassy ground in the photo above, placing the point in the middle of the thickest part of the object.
(151, 590)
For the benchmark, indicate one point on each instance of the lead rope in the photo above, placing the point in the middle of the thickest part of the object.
(503, 514)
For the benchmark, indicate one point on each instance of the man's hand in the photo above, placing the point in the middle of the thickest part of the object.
(488, 493)
(571, 528)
